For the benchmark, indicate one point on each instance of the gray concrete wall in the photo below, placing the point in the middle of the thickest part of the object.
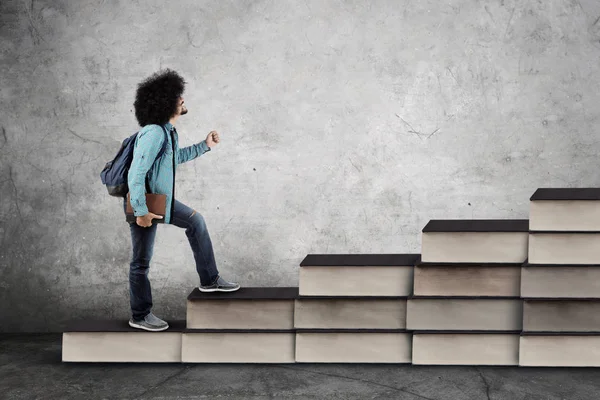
(345, 126)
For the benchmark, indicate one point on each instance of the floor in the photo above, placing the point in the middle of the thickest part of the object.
(31, 368)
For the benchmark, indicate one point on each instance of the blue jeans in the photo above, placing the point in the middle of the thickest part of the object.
(142, 240)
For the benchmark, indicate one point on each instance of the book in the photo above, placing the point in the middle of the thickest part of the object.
(156, 203)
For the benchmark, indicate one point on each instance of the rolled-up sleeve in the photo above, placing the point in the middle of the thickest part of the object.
(145, 151)
(186, 154)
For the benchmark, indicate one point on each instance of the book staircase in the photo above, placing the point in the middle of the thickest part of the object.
(482, 292)
(561, 280)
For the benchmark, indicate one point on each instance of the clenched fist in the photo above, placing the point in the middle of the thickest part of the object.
(212, 139)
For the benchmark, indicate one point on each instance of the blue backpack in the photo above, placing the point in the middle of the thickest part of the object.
(114, 174)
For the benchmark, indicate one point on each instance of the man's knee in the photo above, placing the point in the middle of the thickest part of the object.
(139, 267)
(197, 220)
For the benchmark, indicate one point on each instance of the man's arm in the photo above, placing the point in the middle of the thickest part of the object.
(147, 148)
(189, 153)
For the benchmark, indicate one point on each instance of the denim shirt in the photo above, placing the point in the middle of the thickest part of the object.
(160, 173)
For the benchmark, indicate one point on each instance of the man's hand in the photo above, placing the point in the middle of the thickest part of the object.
(146, 220)
(212, 139)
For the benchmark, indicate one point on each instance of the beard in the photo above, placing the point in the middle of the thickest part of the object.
(184, 111)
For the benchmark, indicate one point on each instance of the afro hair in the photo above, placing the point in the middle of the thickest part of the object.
(157, 97)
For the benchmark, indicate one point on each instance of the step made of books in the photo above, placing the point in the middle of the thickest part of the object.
(464, 314)
(559, 350)
(564, 248)
(247, 308)
(350, 313)
(475, 241)
(575, 209)
(560, 281)
(460, 348)
(238, 346)
(357, 274)
(463, 279)
(116, 341)
(353, 346)
(561, 315)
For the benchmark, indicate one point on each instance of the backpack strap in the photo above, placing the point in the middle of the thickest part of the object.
(160, 153)
(164, 146)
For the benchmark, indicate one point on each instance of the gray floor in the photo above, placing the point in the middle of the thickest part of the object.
(31, 368)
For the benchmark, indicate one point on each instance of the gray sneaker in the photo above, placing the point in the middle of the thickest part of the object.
(150, 323)
(220, 285)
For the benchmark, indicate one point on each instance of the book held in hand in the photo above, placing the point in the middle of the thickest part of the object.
(156, 203)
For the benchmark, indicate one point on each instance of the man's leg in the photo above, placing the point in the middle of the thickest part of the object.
(197, 234)
(140, 293)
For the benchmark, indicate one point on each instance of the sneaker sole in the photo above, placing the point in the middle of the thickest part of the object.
(134, 325)
(218, 290)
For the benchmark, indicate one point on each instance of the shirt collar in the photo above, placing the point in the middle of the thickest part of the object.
(169, 127)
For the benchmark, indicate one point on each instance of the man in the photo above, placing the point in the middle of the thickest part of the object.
(159, 104)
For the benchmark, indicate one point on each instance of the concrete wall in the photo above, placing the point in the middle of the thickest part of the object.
(345, 126)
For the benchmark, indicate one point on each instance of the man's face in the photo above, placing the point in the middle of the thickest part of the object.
(181, 108)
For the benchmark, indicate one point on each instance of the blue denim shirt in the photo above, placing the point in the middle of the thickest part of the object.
(160, 173)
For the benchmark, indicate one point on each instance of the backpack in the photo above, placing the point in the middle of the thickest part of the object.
(114, 174)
